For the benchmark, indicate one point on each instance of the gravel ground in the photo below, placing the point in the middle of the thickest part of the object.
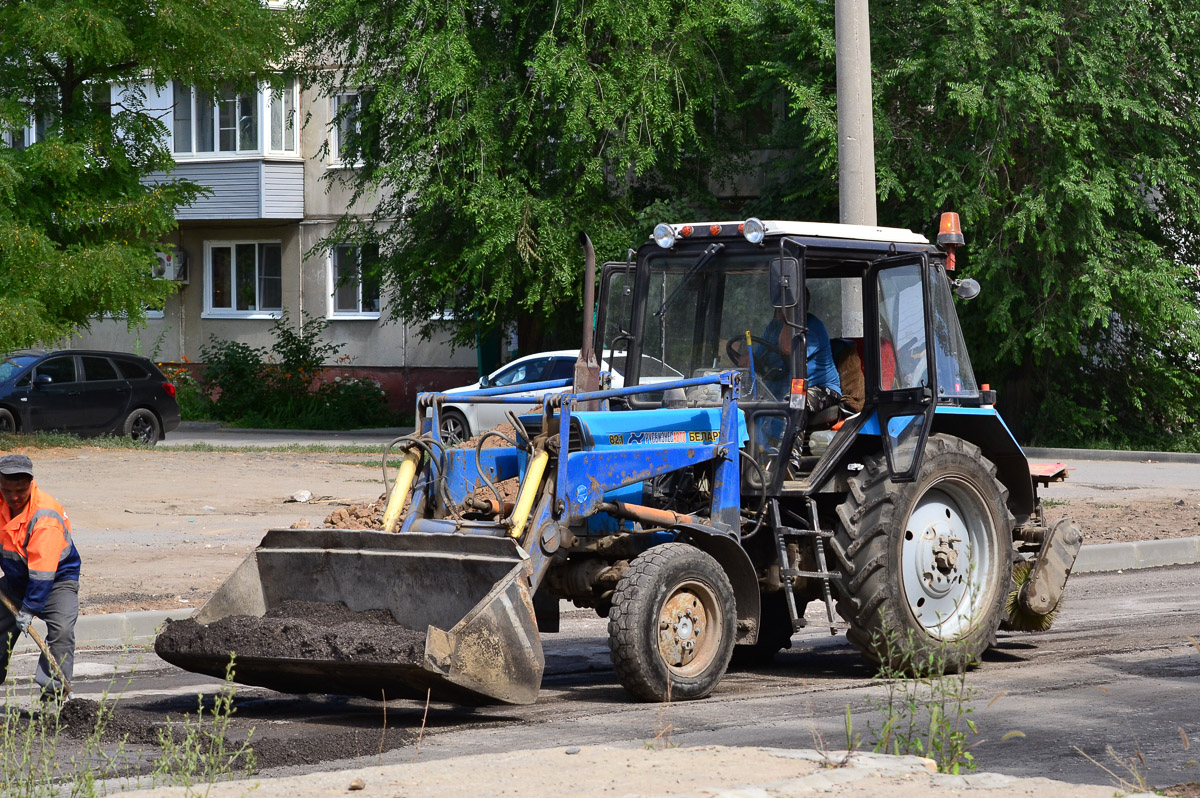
(162, 529)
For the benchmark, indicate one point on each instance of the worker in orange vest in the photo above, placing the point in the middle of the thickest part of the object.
(40, 568)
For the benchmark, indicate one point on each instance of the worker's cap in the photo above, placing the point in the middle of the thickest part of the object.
(13, 465)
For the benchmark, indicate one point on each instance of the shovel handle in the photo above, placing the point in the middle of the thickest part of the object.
(41, 644)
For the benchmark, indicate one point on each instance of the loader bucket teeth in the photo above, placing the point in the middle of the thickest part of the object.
(469, 594)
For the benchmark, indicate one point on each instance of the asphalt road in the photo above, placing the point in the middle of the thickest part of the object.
(1117, 670)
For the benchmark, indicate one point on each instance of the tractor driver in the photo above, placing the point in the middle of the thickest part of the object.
(824, 385)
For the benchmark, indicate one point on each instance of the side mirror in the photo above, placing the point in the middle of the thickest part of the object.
(785, 282)
(483, 381)
(966, 289)
(42, 380)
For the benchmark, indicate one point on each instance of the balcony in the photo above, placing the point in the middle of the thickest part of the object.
(250, 188)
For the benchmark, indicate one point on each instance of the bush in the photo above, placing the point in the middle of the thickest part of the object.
(281, 389)
(193, 398)
(233, 376)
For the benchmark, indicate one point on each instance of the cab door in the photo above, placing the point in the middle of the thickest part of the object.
(901, 379)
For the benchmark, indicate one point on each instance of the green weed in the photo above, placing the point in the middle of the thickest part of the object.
(198, 752)
(36, 760)
(926, 711)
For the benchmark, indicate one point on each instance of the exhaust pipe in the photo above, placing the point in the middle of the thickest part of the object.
(587, 367)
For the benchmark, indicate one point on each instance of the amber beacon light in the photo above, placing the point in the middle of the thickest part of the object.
(950, 236)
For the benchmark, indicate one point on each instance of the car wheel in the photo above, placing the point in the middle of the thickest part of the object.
(453, 427)
(142, 426)
(8, 424)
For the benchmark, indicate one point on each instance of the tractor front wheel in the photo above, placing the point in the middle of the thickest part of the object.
(672, 624)
(927, 562)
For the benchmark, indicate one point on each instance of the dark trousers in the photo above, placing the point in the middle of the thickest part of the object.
(60, 614)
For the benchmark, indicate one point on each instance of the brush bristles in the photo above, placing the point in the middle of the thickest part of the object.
(1020, 619)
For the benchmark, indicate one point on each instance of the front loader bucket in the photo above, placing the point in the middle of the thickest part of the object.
(468, 593)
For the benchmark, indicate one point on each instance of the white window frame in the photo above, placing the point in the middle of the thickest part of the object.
(232, 312)
(33, 132)
(242, 101)
(290, 132)
(331, 273)
(335, 127)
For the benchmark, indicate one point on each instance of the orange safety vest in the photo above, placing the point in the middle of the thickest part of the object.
(36, 549)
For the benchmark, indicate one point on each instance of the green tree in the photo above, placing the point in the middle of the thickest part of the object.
(1064, 132)
(78, 223)
(492, 133)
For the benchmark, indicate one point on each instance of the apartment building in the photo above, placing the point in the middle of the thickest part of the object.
(247, 252)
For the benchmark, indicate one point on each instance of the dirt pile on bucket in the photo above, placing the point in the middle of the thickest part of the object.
(298, 630)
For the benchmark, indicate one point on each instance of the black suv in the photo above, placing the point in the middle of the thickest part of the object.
(87, 393)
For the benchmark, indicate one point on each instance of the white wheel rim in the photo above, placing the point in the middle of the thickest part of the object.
(946, 556)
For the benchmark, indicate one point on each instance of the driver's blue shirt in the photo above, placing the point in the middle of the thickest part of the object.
(821, 369)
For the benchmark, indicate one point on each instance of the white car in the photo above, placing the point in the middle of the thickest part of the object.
(460, 421)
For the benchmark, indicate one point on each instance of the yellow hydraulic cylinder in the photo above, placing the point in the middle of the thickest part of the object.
(529, 491)
(404, 481)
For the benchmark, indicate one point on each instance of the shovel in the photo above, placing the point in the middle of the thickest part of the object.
(41, 644)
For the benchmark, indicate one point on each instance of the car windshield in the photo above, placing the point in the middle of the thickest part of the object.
(11, 365)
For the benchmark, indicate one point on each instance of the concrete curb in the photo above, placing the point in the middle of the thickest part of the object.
(113, 629)
(1034, 453)
(605, 770)
(1138, 554)
(218, 428)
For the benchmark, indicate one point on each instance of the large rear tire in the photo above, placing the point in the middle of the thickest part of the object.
(928, 562)
(672, 624)
(8, 424)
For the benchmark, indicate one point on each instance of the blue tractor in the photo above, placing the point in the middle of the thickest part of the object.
(706, 503)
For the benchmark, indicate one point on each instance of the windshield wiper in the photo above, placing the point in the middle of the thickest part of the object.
(709, 252)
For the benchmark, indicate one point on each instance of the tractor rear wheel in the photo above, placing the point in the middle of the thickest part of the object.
(927, 563)
(672, 624)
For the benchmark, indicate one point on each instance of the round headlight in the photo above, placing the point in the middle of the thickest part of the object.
(754, 230)
(664, 235)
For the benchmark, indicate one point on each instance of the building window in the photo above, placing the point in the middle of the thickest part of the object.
(204, 123)
(355, 289)
(39, 124)
(243, 278)
(346, 113)
(282, 104)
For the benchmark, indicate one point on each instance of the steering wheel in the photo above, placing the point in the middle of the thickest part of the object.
(735, 353)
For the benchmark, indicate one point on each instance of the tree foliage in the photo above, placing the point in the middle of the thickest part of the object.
(1065, 132)
(78, 225)
(493, 133)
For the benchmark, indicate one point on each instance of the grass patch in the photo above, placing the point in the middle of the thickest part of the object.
(36, 760)
(65, 440)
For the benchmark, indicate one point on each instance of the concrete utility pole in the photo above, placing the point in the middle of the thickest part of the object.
(856, 127)
(856, 137)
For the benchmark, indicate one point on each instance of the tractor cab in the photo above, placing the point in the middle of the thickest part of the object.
(868, 310)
